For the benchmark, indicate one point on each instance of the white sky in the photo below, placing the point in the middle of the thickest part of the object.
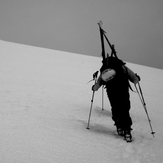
(135, 27)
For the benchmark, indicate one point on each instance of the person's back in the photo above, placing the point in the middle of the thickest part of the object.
(118, 89)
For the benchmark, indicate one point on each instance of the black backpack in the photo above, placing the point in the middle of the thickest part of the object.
(118, 65)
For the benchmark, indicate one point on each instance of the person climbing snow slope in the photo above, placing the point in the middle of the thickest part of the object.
(115, 76)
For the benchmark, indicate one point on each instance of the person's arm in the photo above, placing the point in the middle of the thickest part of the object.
(98, 84)
(134, 78)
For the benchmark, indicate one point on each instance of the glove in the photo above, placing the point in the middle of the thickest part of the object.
(138, 77)
(95, 87)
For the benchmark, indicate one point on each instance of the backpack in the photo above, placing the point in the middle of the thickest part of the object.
(113, 63)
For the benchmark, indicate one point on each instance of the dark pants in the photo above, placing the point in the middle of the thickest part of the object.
(120, 104)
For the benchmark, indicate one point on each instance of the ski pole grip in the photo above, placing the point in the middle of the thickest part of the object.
(95, 75)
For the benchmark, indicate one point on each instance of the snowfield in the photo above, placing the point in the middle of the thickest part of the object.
(45, 103)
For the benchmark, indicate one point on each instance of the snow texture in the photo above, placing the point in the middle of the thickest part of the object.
(45, 103)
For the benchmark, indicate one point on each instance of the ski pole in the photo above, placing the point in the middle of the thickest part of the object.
(102, 97)
(94, 78)
(144, 105)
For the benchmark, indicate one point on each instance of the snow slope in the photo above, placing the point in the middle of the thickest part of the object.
(45, 103)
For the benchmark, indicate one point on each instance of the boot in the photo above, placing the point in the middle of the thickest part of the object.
(127, 135)
(120, 131)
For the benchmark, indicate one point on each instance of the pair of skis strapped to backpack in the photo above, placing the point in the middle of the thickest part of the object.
(102, 36)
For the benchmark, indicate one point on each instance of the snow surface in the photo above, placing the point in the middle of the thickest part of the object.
(45, 103)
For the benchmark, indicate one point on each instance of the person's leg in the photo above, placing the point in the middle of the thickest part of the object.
(121, 117)
(127, 122)
(117, 119)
